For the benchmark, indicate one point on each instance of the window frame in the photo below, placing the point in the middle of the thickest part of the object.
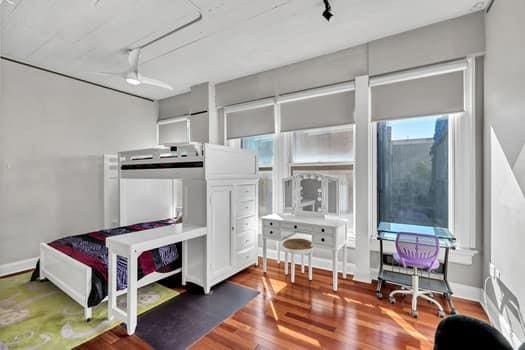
(462, 165)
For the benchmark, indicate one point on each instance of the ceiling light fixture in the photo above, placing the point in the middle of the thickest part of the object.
(327, 13)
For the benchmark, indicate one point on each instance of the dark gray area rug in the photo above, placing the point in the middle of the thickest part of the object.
(180, 322)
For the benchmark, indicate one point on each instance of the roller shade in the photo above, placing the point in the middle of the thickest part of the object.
(176, 132)
(439, 94)
(251, 122)
(199, 128)
(318, 112)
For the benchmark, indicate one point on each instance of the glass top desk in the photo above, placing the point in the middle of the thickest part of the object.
(390, 271)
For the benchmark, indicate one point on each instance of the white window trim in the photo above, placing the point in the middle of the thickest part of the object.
(180, 119)
(462, 165)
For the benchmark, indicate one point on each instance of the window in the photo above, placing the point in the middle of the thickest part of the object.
(413, 171)
(327, 145)
(263, 146)
(327, 151)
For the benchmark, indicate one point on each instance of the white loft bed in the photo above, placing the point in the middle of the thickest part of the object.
(206, 171)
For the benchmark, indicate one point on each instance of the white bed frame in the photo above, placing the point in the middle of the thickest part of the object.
(74, 278)
(222, 166)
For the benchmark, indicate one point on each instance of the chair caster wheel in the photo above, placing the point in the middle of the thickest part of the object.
(441, 314)
(391, 300)
(379, 295)
(414, 314)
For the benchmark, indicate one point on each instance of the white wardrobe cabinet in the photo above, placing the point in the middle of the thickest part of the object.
(232, 226)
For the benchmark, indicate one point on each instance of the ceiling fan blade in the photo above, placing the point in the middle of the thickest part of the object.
(155, 82)
(109, 74)
(133, 59)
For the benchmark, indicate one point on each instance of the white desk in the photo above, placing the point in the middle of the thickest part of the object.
(130, 246)
(327, 233)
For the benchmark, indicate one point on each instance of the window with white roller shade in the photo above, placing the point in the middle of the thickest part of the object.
(252, 122)
(433, 95)
(199, 128)
(173, 132)
(318, 112)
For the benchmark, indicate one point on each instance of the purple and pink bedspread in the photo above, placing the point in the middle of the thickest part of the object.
(90, 249)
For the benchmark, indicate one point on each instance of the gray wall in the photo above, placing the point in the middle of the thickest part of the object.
(505, 115)
(53, 133)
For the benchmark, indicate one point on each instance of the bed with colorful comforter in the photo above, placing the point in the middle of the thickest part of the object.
(90, 249)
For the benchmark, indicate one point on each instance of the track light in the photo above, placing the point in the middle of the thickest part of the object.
(327, 13)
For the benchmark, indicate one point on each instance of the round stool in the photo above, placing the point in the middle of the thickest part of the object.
(297, 246)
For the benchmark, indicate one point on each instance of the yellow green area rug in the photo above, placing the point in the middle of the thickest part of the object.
(38, 315)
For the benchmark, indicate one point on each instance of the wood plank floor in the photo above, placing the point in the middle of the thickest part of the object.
(309, 315)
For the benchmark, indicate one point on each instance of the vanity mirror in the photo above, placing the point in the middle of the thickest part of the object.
(311, 194)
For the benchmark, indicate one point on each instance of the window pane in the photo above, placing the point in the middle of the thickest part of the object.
(262, 145)
(265, 193)
(412, 170)
(323, 145)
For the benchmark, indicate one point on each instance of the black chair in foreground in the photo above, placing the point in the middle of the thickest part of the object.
(462, 332)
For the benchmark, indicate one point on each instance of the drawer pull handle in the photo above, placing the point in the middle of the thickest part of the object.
(322, 239)
(322, 230)
(233, 228)
(271, 223)
(295, 226)
(271, 232)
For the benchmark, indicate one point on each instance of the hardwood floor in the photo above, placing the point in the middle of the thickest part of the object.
(309, 315)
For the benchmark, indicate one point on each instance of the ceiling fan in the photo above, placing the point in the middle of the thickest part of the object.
(133, 77)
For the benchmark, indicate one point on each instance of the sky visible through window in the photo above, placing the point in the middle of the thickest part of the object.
(415, 128)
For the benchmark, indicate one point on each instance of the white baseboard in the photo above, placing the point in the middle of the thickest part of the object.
(460, 290)
(466, 292)
(18, 266)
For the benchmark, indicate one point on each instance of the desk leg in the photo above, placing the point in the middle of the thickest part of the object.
(379, 280)
(265, 243)
(278, 252)
(345, 257)
(334, 269)
(131, 322)
(112, 283)
(184, 262)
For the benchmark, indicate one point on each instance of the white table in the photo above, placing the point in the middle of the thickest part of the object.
(130, 246)
(327, 233)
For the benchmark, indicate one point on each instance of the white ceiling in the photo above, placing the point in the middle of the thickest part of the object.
(234, 38)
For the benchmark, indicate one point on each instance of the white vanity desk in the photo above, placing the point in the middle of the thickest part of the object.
(327, 233)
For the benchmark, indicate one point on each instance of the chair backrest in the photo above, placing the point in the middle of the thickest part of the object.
(417, 250)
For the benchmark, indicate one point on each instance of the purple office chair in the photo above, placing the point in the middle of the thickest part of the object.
(417, 251)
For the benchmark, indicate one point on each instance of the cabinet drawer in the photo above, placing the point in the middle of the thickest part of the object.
(271, 233)
(248, 223)
(245, 192)
(246, 240)
(271, 223)
(246, 257)
(246, 208)
(323, 239)
(323, 229)
(296, 227)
